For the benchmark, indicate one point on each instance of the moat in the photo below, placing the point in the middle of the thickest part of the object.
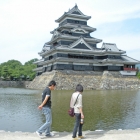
(104, 110)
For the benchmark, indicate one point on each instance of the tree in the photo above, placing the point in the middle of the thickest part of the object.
(0, 70)
(138, 75)
(31, 61)
(14, 70)
(5, 72)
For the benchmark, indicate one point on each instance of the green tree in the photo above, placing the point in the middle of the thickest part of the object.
(14, 70)
(31, 61)
(138, 75)
(5, 72)
(0, 70)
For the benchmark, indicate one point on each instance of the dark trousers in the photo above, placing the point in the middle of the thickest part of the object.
(77, 126)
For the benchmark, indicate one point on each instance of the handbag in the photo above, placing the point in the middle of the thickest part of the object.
(71, 110)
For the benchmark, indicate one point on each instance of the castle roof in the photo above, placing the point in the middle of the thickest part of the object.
(102, 62)
(110, 47)
(87, 49)
(59, 35)
(129, 59)
(70, 25)
(74, 12)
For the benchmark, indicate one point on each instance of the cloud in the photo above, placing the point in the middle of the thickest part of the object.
(25, 25)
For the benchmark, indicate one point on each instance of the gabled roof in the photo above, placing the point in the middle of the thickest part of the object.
(55, 34)
(111, 47)
(80, 41)
(79, 30)
(74, 12)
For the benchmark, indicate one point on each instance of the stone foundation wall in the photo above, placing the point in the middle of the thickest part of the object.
(89, 79)
(40, 82)
(21, 84)
(112, 80)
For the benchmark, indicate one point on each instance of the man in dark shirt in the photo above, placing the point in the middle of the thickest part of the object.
(46, 109)
(47, 92)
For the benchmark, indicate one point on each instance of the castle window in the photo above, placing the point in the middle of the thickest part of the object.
(50, 57)
(77, 22)
(54, 44)
(80, 56)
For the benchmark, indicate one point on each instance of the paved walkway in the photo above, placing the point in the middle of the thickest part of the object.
(90, 135)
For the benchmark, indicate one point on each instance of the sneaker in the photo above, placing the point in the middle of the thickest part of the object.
(81, 137)
(76, 139)
(50, 135)
(39, 134)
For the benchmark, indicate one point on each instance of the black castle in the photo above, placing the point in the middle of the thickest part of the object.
(72, 48)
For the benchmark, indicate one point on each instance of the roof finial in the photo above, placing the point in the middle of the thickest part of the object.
(75, 4)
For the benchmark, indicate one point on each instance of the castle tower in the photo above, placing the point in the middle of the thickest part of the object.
(72, 48)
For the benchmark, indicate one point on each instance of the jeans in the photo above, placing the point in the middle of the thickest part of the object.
(46, 127)
(77, 126)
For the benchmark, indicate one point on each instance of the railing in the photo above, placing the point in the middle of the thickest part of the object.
(130, 69)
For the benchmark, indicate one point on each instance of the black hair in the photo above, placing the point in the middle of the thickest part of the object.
(79, 88)
(52, 83)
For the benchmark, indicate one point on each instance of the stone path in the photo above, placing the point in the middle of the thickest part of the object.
(90, 135)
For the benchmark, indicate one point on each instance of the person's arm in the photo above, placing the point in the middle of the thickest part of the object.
(44, 102)
(81, 111)
(80, 107)
(71, 102)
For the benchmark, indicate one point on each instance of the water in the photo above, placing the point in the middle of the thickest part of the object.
(103, 110)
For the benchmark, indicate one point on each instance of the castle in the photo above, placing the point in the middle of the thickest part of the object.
(72, 48)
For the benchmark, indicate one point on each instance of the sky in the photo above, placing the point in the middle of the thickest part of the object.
(25, 25)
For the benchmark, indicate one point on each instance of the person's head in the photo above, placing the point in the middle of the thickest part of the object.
(52, 85)
(79, 88)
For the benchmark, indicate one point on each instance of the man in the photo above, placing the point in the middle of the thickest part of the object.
(46, 109)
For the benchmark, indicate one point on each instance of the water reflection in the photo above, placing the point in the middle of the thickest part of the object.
(111, 110)
(103, 110)
(18, 109)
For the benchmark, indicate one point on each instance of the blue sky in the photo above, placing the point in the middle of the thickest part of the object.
(25, 25)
